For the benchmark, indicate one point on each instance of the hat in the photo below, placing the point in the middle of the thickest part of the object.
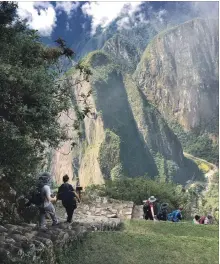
(164, 205)
(45, 178)
(152, 199)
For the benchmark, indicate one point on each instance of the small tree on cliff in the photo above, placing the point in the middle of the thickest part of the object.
(32, 96)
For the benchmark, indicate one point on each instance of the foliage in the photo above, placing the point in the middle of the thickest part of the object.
(203, 167)
(199, 145)
(164, 243)
(117, 172)
(109, 153)
(210, 202)
(32, 96)
(140, 188)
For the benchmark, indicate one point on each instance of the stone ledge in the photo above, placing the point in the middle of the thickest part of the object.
(26, 244)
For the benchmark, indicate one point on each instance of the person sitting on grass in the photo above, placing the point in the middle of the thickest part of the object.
(175, 216)
(68, 196)
(206, 220)
(196, 219)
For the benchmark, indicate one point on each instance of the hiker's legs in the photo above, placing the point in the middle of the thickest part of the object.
(148, 215)
(42, 217)
(51, 211)
(69, 210)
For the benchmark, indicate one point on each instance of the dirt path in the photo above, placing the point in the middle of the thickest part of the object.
(210, 173)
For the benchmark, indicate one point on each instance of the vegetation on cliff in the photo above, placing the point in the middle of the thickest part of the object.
(31, 97)
(197, 143)
(140, 188)
(109, 154)
(187, 97)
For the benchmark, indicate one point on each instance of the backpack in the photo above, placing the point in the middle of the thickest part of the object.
(36, 197)
(146, 207)
(162, 215)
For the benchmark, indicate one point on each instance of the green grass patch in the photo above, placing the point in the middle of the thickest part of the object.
(147, 242)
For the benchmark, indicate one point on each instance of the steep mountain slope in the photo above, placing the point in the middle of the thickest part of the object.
(174, 87)
(126, 136)
(178, 73)
(123, 52)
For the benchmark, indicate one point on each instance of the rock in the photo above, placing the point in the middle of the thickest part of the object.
(171, 77)
(112, 216)
(3, 229)
(24, 242)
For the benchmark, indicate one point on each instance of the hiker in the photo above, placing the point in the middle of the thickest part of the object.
(41, 197)
(196, 219)
(68, 196)
(175, 216)
(46, 207)
(150, 208)
(162, 215)
(206, 220)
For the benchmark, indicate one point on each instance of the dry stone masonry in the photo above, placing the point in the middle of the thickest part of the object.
(25, 243)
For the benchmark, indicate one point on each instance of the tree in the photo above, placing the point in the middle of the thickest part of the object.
(33, 93)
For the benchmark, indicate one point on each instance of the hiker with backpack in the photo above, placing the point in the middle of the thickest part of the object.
(150, 208)
(68, 196)
(163, 212)
(175, 216)
(42, 198)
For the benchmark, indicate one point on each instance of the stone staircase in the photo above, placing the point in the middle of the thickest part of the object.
(25, 243)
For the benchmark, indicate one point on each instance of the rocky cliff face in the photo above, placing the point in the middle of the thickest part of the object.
(129, 134)
(178, 73)
(123, 52)
(126, 136)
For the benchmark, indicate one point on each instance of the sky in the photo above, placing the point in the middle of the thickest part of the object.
(70, 19)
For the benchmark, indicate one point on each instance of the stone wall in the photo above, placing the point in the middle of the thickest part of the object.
(26, 244)
(100, 207)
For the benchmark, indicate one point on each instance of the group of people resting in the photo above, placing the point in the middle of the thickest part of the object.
(44, 199)
(205, 220)
(153, 211)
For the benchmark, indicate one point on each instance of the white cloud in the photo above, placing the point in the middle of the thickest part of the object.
(103, 13)
(40, 16)
(161, 14)
(123, 23)
(68, 27)
(67, 7)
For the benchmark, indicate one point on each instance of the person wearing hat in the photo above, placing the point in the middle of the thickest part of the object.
(150, 208)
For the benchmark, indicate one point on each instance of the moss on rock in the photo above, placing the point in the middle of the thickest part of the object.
(109, 154)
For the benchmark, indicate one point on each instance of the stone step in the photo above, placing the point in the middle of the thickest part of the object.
(28, 243)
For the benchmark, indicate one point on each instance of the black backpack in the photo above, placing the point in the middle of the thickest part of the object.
(162, 215)
(36, 197)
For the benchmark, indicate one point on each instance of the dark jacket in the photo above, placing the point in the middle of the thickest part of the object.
(66, 194)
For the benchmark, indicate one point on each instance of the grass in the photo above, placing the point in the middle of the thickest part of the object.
(143, 242)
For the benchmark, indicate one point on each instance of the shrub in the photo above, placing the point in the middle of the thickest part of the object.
(139, 189)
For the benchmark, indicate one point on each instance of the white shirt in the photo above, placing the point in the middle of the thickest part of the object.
(46, 193)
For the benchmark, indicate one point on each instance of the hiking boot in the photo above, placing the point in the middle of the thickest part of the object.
(43, 228)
